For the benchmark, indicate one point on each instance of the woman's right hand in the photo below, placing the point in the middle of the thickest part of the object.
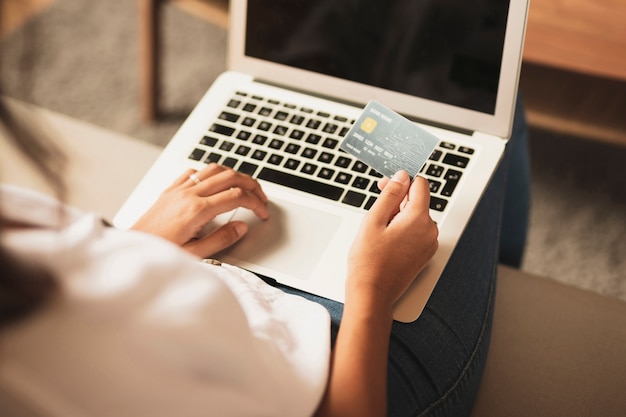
(396, 240)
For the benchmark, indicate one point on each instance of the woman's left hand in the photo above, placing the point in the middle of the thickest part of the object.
(194, 199)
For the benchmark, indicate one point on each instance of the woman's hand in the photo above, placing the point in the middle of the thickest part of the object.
(396, 240)
(194, 199)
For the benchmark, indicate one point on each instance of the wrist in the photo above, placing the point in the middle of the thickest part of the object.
(365, 300)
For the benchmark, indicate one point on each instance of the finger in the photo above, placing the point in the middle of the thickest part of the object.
(205, 173)
(222, 238)
(183, 178)
(227, 179)
(394, 192)
(234, 198)
(419, 194)
(211, 170)
(382, 183)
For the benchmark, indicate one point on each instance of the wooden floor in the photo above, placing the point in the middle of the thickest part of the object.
(562, 101)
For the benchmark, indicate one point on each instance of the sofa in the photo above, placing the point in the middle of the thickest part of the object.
(555, 350)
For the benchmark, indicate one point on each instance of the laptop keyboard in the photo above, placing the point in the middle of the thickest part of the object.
(298, 147)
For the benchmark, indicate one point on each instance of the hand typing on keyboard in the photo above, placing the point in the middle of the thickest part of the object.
(196, 198)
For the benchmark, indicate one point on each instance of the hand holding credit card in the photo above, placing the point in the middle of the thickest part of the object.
(389, 142)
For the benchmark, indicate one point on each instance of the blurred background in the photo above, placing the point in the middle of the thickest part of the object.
(86, 59)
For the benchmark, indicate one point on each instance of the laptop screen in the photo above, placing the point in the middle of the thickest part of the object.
(448, 51)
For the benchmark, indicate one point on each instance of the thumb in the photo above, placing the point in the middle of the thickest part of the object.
(220, 239)
(392, 195)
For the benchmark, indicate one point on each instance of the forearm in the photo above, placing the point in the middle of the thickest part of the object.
(358, 378)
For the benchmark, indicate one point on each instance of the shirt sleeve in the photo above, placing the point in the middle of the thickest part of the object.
(143, 328)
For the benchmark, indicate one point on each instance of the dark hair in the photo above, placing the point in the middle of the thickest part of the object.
(24, 286)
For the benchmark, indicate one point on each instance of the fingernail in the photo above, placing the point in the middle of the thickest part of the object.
(241, 229)
(400, 177)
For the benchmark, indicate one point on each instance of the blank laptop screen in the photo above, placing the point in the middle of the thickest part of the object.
(448, 51)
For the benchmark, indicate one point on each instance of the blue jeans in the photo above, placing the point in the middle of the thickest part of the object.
(436, 363)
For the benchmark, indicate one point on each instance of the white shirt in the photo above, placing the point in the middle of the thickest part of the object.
(141, 328)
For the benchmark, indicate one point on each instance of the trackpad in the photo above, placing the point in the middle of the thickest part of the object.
(291, 241)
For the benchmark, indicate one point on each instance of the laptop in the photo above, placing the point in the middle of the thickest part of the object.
(299, 74)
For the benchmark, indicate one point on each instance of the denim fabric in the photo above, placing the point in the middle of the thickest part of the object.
(515, 215)
(436, 363)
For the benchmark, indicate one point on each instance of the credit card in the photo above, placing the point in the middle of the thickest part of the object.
(388, 142)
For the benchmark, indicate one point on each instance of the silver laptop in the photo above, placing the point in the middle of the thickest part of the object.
(299, 74)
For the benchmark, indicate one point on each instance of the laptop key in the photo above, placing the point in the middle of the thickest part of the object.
(296, 134)
(243, 135)
(326, 173)
(296, 119)
(452, 174)
(309, 153)
(456, 160)
(208, 141)
(213, 157)
(249, 107)
(292, 148)
(276, 144)
(438, 204)
(359, 166)
(243, 150)
(330, 128)
(281, 115)
(309, 168)
(248, 168)
(313, 138)
(448, 189)
(302, 184)
(375, 173)
(280, 130)
(264, 126)
(231, 117)
(354, 199)
(226, 146)
(370, 203)
(259, 139)
(229, 162)
(259, 155)
(234, 103)
(196, 154)
(360, 183)
(434, 170)
(342, 162)
(275, 159)
(265, 111)
(248, 121)
(326, 157)
(434, 186)
(436, 155)
(330, 143)
(343, 178)
(292, 163)
(313, 124)
(221, 129)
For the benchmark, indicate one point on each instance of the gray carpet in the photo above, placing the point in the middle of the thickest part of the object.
(81, 58)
